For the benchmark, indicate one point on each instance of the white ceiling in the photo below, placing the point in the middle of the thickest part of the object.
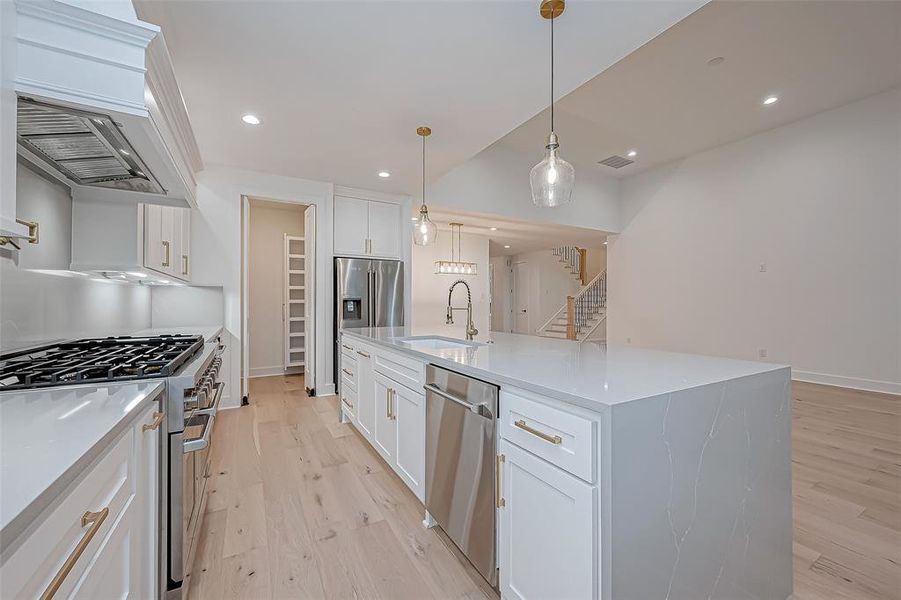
(521, 236)
(666, 102)
(341, 85)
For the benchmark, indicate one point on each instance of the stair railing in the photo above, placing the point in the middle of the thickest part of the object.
(585, 305)
(574, 259)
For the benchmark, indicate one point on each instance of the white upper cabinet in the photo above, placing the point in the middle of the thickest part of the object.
(140, 242)
(167, 240)
(384, 229)
(367, 227)
(351, 226)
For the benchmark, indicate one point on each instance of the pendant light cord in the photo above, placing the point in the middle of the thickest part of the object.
(423, 170)
(552, 71)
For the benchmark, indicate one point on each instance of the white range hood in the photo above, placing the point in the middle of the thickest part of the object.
(98, 104)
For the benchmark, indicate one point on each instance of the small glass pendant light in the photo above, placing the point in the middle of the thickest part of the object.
(552, 179)
(424, 231)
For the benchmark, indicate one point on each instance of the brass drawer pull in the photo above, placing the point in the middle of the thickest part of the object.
(157, 419)
(348, 403)
(393, 404)
(363, 354)
(346, 347)
(184, 262)
(554, 439)
(498, 492)
(349, 373)
(95, 520)
(165, 262)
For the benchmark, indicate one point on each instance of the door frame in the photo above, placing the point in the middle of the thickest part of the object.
(313, 299)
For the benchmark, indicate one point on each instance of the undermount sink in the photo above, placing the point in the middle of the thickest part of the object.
(436, 343)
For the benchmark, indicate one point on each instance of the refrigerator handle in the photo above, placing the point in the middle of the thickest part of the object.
(375, 297)
(371, 286)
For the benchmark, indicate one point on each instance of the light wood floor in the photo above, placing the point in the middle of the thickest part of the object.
(301, 507)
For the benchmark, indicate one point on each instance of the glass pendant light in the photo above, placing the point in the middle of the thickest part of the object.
(552, 179)
(424, 231)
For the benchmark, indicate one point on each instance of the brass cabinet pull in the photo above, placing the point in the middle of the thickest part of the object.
(347, 402)
(363, 354)
(349, 373)
(388, 403)
(166, 248)
(554, 439)
(95, 520)
(498, 492)
(346, 347)
(157, 419)
(184, 263)
(393, 404)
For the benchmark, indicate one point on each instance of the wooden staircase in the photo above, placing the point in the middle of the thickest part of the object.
(584, 312)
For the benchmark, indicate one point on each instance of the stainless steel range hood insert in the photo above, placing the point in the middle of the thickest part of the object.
(87, 148)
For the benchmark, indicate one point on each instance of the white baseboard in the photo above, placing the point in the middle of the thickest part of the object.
(266, 371)
(856, 383)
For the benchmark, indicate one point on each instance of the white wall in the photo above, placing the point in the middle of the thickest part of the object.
(430, 289)
(549, 285)
(817, 202)
(496, 181)
(40, 301)
(269, 223)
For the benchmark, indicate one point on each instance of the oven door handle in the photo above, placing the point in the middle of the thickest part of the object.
(214, 407)
(195, 444)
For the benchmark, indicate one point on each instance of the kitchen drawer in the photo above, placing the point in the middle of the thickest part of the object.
(349, 399)
(401, 369)
(109, 484)
(349, 366)
(348, 346)
(562, 438)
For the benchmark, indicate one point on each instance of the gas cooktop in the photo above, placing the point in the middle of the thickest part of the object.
(97, 360)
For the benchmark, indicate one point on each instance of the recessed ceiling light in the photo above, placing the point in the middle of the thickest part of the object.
(251, 119)
(384, 174)
(716, 60)
(493, 228)
(124, 152)
(605, 242)
(632, 153)
(507, 246)
(770, 100)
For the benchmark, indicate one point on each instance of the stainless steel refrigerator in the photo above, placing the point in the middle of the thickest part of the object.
(368, 293)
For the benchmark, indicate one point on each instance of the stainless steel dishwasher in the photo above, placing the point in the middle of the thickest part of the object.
(460, 468)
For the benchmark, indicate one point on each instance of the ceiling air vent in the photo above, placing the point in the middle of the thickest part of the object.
(616, 161)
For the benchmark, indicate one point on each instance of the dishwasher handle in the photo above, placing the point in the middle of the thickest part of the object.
(476, 408)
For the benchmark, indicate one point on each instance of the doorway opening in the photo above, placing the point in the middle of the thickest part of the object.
(278, 300)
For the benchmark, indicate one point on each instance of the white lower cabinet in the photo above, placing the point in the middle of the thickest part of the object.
(387, 412)
(546, 529)
(385, 434)
(101, 539)
(409, 419)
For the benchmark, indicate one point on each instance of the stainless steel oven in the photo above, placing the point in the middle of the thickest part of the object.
(194, 398)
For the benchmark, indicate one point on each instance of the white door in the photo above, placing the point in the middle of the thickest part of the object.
(153, 236)
(351, 226)
(385, 434)
(409, 412)
(309, 229)
(546, 530)
(521, 287)
(384, 229)
(365, 394)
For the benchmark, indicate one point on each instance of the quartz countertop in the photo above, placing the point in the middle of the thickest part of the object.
(589, 374)
(49, 436)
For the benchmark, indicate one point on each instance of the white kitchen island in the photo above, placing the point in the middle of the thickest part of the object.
(667, 475)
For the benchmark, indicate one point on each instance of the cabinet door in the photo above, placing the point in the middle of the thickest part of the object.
(153, 237)
(410, 418)
(547, 528)
(385, 433)
(384, 229)
(147, 488)
(111, 573)
(365, 394)
(351, 226)
(185, 243)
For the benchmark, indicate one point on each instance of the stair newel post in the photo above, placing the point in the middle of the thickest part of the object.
(570, 318)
